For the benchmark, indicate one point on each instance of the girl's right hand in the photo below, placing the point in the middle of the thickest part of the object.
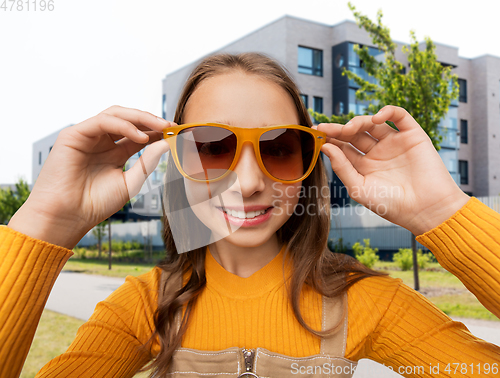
(82, 182)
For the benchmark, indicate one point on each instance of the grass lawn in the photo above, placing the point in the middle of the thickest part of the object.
(53, 336)
(101, 267)
(443, 289)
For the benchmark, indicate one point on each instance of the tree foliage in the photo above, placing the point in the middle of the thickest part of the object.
(12, 200)
(426, 90)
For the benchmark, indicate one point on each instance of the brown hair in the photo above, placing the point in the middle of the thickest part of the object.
(328, 273)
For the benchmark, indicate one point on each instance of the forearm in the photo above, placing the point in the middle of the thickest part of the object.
(468, 245)
(28, 270)
(32, 220)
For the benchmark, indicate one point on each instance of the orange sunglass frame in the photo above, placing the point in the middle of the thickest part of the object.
(243, 135)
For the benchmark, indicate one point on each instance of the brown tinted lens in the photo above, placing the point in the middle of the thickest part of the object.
(206, 152)
(287, 153)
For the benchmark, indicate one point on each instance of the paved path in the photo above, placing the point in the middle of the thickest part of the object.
(76, 294)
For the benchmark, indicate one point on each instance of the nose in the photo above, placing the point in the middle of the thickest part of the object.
(250, 177)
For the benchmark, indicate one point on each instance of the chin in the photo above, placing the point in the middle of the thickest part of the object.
(248, 239)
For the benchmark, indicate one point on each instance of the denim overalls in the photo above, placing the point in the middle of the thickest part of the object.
(247, 363)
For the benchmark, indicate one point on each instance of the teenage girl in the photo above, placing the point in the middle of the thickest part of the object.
(264, 297)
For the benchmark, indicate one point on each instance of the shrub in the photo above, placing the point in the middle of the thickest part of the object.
(136, 245)
(337, 245)
(365, 254)
(117, 245)
(404, 259)
(127, 246)
(80, 252)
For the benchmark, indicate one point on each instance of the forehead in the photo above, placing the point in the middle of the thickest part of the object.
(240, 99)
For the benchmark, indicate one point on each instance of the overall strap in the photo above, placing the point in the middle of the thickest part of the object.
(170, 282)
(334, 309)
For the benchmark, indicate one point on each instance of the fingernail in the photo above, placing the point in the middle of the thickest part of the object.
(141, 133)
(162, 120)
(348, 123)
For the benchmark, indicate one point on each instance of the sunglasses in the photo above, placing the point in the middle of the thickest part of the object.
(209, 151)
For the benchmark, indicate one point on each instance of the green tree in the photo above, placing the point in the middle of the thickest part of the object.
(12, 200)
(425, 91)
(99, 233)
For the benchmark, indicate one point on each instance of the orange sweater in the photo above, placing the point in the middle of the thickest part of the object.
(388, 322)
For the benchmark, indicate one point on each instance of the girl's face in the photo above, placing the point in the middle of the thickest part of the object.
(242, 100)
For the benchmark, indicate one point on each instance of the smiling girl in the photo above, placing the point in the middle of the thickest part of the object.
(248, 287)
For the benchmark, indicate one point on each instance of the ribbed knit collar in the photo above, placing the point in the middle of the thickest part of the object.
(234, 286)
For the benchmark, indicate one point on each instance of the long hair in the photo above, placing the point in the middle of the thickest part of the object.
(328, 273)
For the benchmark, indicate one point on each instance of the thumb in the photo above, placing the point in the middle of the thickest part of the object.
(137, 175)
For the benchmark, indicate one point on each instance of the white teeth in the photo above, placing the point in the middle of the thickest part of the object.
(242, 215)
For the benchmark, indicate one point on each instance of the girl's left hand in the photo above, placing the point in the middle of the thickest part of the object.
(397, 174)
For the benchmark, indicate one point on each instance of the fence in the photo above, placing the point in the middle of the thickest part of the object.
(139, 231)
(351, 223)
(355, 223)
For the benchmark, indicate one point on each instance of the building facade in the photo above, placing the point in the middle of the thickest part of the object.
(315, 54)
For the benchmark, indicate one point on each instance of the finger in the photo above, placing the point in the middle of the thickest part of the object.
(138, 117)
(103, 124)
(142, 128)
(351, 152)
(401, 118)
(356, 132)
(341, 165)
(144, 166)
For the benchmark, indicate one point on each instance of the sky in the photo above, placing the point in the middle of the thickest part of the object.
(64, 66)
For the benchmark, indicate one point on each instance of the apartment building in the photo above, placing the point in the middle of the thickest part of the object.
(315, 54)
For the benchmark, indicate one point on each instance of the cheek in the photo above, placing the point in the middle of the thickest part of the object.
(198, 196)
(288, 196)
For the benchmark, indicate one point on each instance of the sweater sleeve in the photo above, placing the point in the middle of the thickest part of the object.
(396, 326)
(28, 270)
(468, 245)
(114, 341)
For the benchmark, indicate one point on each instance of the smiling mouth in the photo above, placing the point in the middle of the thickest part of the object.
(244, 214)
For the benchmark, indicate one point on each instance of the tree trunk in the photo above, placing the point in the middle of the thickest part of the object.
(415, 262)
(109, 238)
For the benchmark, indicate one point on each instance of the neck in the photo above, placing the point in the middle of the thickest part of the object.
(241, 260)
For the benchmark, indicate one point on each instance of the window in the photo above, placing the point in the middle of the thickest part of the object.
(318, 104)
(464, 136)
(164, 106)
(155, 176)
(305, 100)
(154, 202)
(50, 149)
(463, 166)
(462, 94)
(139, 202)
(40, 158)
(310, 61)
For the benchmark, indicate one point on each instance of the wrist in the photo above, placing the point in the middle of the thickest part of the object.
(36, 223)
(437, 214)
